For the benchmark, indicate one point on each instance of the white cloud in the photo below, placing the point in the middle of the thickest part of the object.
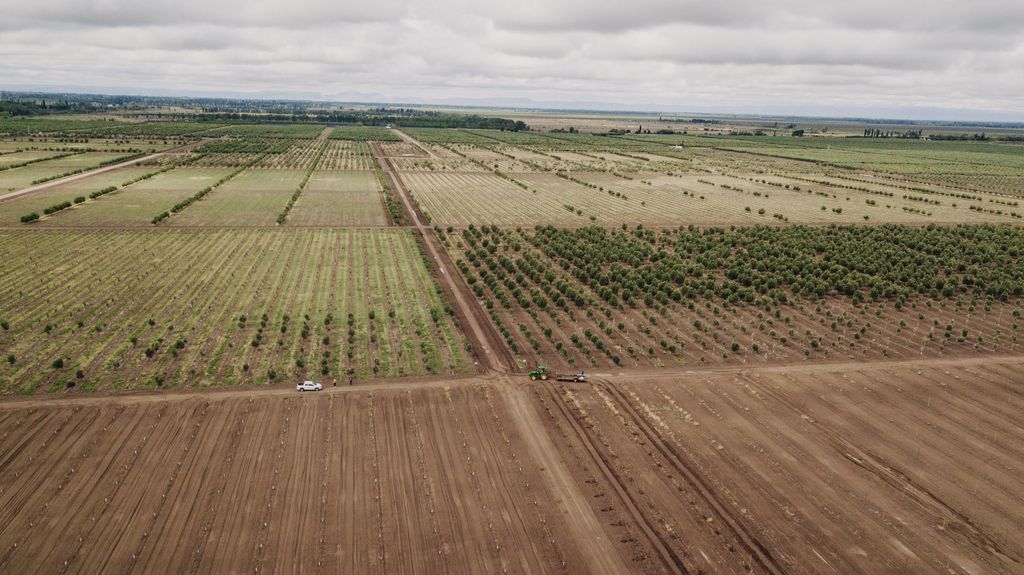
(907, 58)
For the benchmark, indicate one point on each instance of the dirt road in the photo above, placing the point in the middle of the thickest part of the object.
(410, 140)
(491, 350)
(909, 466)
(598, 551)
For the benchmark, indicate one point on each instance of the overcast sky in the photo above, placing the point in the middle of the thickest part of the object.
(943, 59)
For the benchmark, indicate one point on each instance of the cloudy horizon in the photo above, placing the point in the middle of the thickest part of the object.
(915, 60)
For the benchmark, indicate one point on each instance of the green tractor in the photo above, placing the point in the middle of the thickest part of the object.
(540, 373)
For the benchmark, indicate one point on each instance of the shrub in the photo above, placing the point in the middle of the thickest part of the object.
(58, 363)
(57, 207)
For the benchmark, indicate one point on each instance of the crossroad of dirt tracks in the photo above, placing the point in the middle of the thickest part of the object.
(884, 467)
(829, 468)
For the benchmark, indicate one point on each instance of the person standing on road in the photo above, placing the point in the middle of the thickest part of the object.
(335, 382)
(350, 380)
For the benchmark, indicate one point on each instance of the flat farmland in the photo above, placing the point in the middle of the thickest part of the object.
(250, 199)
(18, 178)
(61, 145)
(14, 157)
(443, 164)
(11, 210)
(589, 298)
(609, 186)
(217, 307)
(429, 480)
(363, 134)
(978, 166)
(347, 155)
(225, 160)
(401, 149)
(803, 355)
(462, 198)
(339, 198)
(300, 155)
(886, 467)
(135, 205)
(473, 197)
(867, 468)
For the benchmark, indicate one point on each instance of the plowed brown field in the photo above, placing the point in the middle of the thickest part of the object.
(885, 468)
(889, 467)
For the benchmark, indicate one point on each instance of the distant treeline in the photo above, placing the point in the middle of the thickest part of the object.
(964, 137)
(406, 117)
(32, 108)
(917, 135)
(876, 133)
(243, 110)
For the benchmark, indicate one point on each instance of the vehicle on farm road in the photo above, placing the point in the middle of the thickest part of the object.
(542, 374)
(309, 386)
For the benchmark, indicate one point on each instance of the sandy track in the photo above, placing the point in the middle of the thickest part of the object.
(410, 140)
(600, 555)
(490, 349)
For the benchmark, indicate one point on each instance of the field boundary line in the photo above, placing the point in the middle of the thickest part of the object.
(601, 557)
(668, 558)
(435, 381)
(480, 331)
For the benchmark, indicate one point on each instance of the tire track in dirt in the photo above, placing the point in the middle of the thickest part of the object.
(586, 529)
(661, 547)
(895, 478)
(757, 551)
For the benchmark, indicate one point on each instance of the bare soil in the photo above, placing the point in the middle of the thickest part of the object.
(888, 467)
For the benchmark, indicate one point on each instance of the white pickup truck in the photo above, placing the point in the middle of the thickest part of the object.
(309, 386)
